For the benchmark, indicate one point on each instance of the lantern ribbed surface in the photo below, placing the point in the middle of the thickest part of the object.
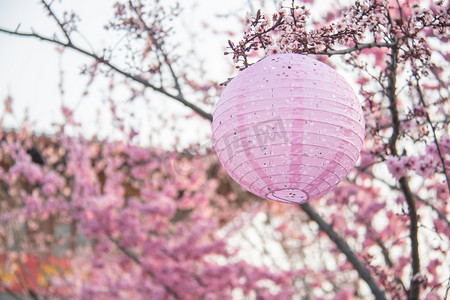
(288, 128)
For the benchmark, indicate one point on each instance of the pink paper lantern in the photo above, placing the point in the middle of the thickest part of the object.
(288, 128)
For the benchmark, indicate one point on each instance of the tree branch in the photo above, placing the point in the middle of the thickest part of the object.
(105, 62)
(391, 94)
(357, 47)
(61, 26)
(414, 289)
(345, 248)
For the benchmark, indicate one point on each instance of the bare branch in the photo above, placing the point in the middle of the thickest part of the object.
(345, 248)
(439, 213)
(414, 289)
(159, 48)
(115, 68)
(57, 20)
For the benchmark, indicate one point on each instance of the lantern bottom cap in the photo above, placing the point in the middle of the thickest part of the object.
(288, 195)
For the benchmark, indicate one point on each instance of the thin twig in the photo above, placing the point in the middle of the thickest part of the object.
(422, 100)
(447, 289)
(159, 48)
(61, 26)
(440, 214)
(391, 93)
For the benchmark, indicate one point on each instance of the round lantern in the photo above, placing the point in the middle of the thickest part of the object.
(288, 128)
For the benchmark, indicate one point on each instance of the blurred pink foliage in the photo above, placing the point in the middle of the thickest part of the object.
(134, 228)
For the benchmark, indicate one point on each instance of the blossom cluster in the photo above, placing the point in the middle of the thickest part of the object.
(366, 24)
(425, 165)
